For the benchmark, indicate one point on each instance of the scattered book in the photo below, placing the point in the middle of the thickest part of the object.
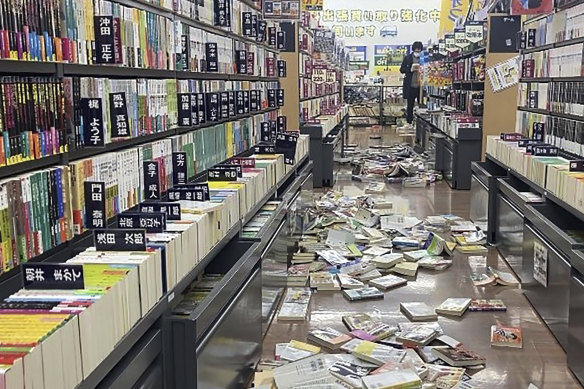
(434, 262)
(378, 353)
(370, 275)
(418, 311)
(367, 293)
(506, 336)
(348, 282)
(356, 321)
(406, 268)
(387, 261)
(374, 332)
(459, 356)
(417, 334)
(407, 379)
(462, 226)
(387, 282)
(405, 244)
(296, 350)
(426, 353)
(449, 341)
(324, 281)
(486, 305)
(328, 337)
(376, 251)
(415, 255)
(504, 278)
(349, 373)
(471, 238)
(449, 247)
(453, 306)
(472, 249)
(444, 376)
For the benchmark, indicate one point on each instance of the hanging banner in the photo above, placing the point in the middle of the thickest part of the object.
(450, 43)
(474, 31)
(450, 12)
(460, 38)
(442, 47)
(525, 7)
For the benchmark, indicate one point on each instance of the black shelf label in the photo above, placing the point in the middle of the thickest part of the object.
(152, 222)
(151, 180)
(272, 37)
(286, 144)
(538, 133)
(104, 39)
(511, 137)
(229, 167)
(222, 14)
(253, 100)
(250, 62)
(281, 124)
(93, 126)
(212, 107)
(265, 149)
(114, 239)
(222, 173)
(184, 52)
(176, 194)
(224, 105)
(194, 109)
(273, 130)
(246, 101)
(184, 109)
(212, 57)
(244, 162)
(281, 68)
(172, 210)
(281, 40)
(577, 166)
(241, 61)
(203, 187)
(239, 102)
(246, 22)
(201, 107)
(272, 102)
(265, 132)
(527, 142)
(41, 276)
(179, 168)
(261, 34)
(232, 109)
(119, 115)
(94, 204)
(254, 26)
(280, 97)
(545, 151)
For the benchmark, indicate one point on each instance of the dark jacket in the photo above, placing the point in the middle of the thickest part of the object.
(406, 68)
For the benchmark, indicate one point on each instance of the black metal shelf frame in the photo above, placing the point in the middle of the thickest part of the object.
(567, 42)
(551, 113)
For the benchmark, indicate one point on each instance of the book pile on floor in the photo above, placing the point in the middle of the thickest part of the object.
(397, 163)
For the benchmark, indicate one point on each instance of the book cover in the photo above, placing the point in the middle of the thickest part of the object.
(506, 336)
(486, 305)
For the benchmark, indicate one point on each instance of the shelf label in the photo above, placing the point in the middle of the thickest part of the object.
(151, 222)
(104, 39)
(211, 56)
(545, 151)
(201, 107)
(286, 144)
(151, 180)
(281, 40)
(281, 68)
(244, 162)
(460, 38)
(254, 26)
(281, 124)
(184, 109)
(318, 75)
(538, 133)
(450, 43)
(114, 239)
(232, 109)
(474, 31)
(119, 115)
(577, 166)
(94, 204)
(201, 186)
(540, 263)
(245, 101)
(511, 136)
(442, 47)
(219, 174)
(272, 38)
(253, 100)
(239, 102)
(280, 97)
(250, 62)
(183, 60)
(222, 13)
(179, 168)
(246, 23)
(272, 102)
(265, 149)
(229, 167)
(265, 131)
(241, 61)
(93, 129)
(194, 109)
(52, 276)
(224, 105)
(331, 76)
(172, 210)
(261, 34)
(212, 107)
(186, 193)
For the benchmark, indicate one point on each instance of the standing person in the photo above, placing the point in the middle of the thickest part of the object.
(411, 87)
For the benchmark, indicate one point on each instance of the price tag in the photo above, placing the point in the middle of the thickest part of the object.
(151, 222)
(331, 76)
(113, 239)
(52, 276)
(474, 31)
(319, 75)
(172, 210)
(94, 204)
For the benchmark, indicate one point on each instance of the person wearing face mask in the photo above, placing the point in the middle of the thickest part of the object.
(410, 67)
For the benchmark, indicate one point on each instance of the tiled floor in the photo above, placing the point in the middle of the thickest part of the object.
(541, 361)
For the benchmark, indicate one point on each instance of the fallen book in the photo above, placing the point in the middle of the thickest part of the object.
(459, 356)
(356, 321)
(506, 336)
(398, 379)
(324, 281)
(472, 249)
(445, 377)
(328, 337)
(418, 334)
(504, 278)
(406, 268)
(453, 306)
(367, 293)
(415, 255)
(417, 311)
(349, 373)
(370, 275)
(387, 282)
(296, 350)
(374, 332)
(434, 262)
(348, 282)
(378, 353)
(387, 261)
(486, 305)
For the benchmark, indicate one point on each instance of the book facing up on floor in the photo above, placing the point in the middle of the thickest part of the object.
(387, 261)
(356, 321)
(406, 268)
(453, 306)
(506, 336)
(349, 373)
(486, 305)
(374, 332)
(387, 282)
(415, 255)
(418, 334)
(406, 379)
(367, 293)
(417, 311)
(328, 337)
(459, 356)
(378, 353)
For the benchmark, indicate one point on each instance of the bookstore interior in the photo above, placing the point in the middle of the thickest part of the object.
(290, 194)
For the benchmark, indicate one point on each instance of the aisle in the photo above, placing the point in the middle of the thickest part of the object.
(541, 361)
